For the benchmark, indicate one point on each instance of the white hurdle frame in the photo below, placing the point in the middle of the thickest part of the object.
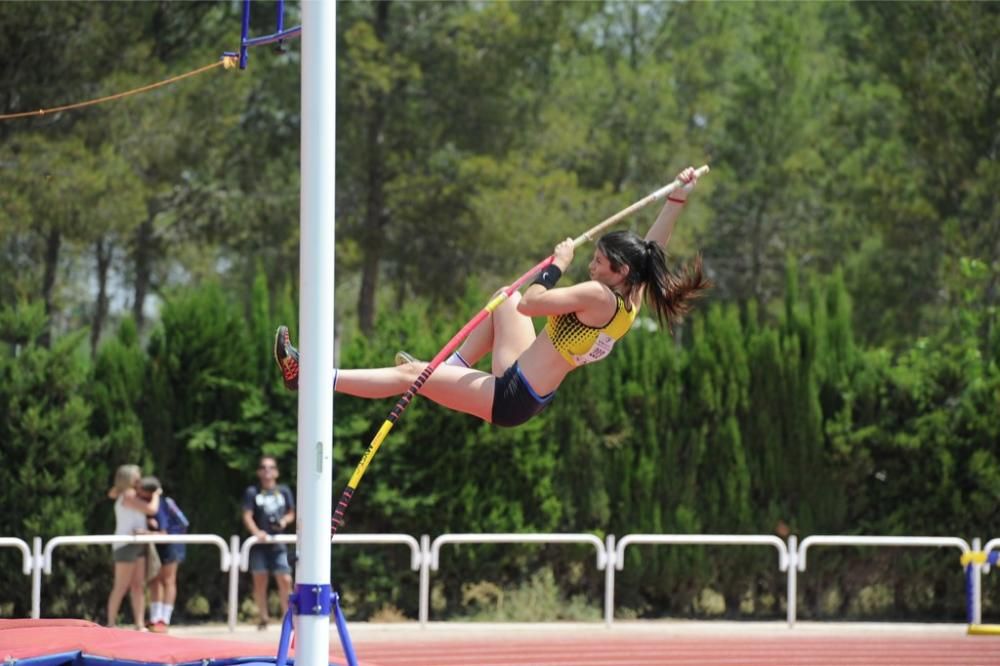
(225, 559)
(28, 568)
(405, 539)
(991, 545)
(902, 541)
(425, 555)
(699, 540)
(21, 545)
(893, 541)
(509, 537)
(417, 557)
(44, 558)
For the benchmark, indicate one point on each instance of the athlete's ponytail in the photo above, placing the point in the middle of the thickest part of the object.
(669, 293)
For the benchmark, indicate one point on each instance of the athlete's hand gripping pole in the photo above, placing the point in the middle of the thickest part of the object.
(456, 340)
(638, 205)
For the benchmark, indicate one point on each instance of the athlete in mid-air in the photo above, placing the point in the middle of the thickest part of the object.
(584, 322)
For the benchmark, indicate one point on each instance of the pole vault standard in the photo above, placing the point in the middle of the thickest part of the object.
(313, 593)
(456, 340)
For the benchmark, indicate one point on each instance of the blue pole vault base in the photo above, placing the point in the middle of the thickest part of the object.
(320, 599)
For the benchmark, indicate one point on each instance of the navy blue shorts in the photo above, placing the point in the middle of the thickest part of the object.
(514, 401)
(270, 557)
(171, 552)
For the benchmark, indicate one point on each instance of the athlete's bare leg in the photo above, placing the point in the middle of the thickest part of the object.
(478, 343)
(513, 333)
(462, 389)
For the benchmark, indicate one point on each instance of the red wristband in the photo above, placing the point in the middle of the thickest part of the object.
(678, 201)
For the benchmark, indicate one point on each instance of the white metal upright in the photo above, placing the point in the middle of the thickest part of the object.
(315, 426)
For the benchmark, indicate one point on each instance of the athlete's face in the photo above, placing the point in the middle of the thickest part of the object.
(601, 271)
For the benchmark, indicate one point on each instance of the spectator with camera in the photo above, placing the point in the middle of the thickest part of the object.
(268, 509)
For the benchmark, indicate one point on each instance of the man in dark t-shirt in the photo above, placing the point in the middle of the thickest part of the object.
(268, 508)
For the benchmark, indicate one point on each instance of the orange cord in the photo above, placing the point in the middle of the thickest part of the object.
(227, 61)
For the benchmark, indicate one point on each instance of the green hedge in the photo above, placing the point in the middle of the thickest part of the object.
(745, 420)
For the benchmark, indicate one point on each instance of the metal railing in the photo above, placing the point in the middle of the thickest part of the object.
(896, 541)
(11, 542)
(425, 555)
(697, 540)
(889, 541)
(416, 556)
(405, 539)
(225, 558)
(45, 563)
(602, 553)
(514, 537)
(977, 582)
(991, 546)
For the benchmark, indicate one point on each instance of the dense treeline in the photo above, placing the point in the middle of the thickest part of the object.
(743, 428)
(843, 378)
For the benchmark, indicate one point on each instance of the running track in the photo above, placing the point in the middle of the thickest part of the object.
(769, 651)
(600, 647)
(648, 643)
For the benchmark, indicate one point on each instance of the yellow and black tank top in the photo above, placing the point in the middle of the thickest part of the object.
(579, 343)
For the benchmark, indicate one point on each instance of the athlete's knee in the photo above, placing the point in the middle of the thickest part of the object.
(510, 303)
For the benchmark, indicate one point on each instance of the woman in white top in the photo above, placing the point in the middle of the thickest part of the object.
(131, 512)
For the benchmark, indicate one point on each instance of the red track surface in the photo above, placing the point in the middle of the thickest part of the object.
(580, 644)
(687, 651)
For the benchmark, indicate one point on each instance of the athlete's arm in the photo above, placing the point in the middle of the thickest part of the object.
(663, 227)
(586, 297)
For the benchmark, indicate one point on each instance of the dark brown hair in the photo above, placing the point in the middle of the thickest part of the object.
(670, 293)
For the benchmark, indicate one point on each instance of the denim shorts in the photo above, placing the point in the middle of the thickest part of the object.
(269, 557)
(171, 552)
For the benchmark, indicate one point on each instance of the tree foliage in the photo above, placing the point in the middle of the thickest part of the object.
(843, 378)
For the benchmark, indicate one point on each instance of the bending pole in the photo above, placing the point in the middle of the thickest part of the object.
(456, 340)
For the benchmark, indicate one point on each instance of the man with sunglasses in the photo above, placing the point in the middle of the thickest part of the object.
(268, 509)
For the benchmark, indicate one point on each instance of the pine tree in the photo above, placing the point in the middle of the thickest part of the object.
(53, 473)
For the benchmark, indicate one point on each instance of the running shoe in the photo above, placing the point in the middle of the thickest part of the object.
(287, 358)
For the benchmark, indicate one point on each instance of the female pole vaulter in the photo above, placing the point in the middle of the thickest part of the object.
(584, 322)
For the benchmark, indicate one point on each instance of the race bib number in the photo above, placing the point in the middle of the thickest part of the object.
(601, 348)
